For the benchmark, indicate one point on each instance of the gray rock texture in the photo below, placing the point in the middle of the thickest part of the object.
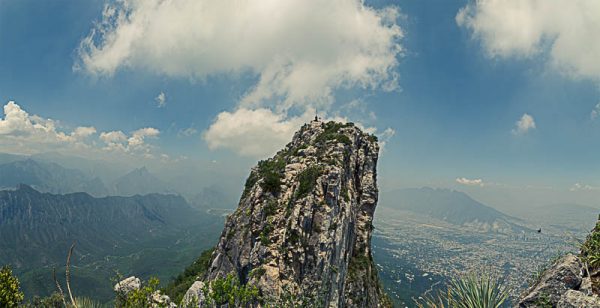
(570, 282)
(303, 224)
(577, 299)
(565, 274)
(127, 285)
(194, 297)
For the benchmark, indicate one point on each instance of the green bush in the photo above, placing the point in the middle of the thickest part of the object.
(139, 298)
(270, 207)
(308, 180)
(176, 289)
(297, 150)
(250, 181)
(264, 235)
(271, 172)
(469, 291)
(229, 291)
(331, 132)
(52, 301)
(10, 294)
(543, 301)
(590, 249)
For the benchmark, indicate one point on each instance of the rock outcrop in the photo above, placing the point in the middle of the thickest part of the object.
(125, 287)
(302, 229)
(571, 281)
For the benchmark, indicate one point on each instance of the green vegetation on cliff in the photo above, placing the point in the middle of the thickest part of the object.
(176, 289)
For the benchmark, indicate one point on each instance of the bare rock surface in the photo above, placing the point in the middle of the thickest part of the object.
(127, 285)
(571, 281)
(577, 299)
(304, 222)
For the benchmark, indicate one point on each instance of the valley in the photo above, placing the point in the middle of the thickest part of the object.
(151, 235)
(436, 250)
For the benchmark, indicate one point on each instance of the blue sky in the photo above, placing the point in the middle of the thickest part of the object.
(462, 85)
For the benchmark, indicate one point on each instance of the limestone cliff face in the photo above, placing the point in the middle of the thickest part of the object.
(571, 281)
(303, 225)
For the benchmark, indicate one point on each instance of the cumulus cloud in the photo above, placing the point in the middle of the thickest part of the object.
(595, 112)
(470, 182)
(20, 129)
(83, 132)
(119, 141)
(252, 132)
(524, 124)
(566, 31)
(161, 99)
(300, 51)
(583, 187)
(21, 132)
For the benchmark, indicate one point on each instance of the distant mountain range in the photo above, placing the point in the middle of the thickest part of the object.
(46, 176)
(213, 198)
(451, 206)
(57, 173)
(49, 177)
(139, 182)
(132, 234)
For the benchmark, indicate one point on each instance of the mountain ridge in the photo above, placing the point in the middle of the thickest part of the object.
(452, 206)
(146, 228)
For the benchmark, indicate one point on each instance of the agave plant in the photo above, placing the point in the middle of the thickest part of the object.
(469, 291)
(84, 302)
(590, 249)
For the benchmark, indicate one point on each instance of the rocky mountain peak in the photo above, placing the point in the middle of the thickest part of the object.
(302, 229)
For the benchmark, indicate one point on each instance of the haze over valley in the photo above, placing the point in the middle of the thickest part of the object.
(299, 153)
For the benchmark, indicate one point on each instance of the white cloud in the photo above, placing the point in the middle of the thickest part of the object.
(83, 132)
(566, 30)
(23, 133)
(27, 132)
(252, 132)
(595, 112)
(470, 182)
(119, 141)
(524, 124)
(161, 99)
(261, 132)
(583, 187)
(384, 137)
(300, 51)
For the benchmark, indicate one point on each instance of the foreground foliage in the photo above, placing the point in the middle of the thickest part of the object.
(469, 291)
(52, 301)
(141, 297)
(176, 289)
(229, 291)
(590, 249)
(10, 293)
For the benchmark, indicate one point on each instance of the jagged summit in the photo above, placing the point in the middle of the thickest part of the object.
(302, 229)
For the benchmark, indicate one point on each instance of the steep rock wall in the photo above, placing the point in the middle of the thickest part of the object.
(303, 225)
